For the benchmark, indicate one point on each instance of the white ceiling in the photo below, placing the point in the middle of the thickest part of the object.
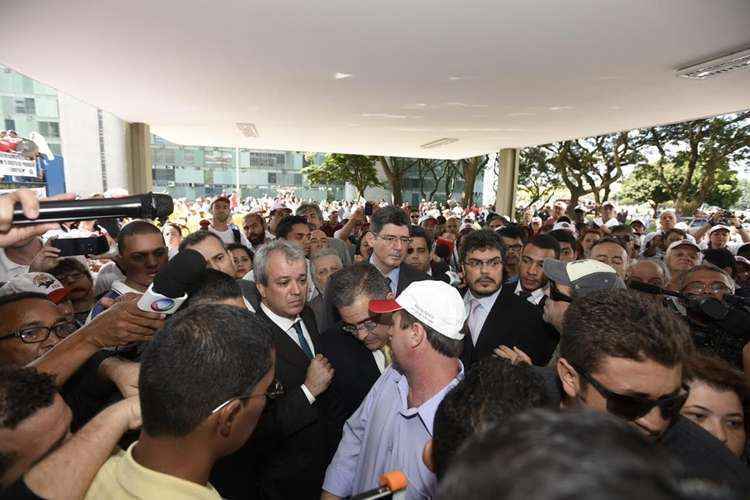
(491, 73)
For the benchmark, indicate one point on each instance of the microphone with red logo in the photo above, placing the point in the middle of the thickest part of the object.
(171, 286)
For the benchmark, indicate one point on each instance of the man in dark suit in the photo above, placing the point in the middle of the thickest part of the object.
(356, 346)
(496, 316)
(389, 239)
(419, 256)
(294, 435)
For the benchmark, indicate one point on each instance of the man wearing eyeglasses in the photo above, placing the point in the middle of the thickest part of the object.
(512, 238)
(496, 316)
(356, 346)
(193, 414)
(624, 354)
(389, 239)
(706, 287)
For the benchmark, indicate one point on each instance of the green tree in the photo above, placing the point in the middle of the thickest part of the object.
(705, 147)
(662, 182)
(537, 177)
(395, 168)
(338, 168)
(469, 168)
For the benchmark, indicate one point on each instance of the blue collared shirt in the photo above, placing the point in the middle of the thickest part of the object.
(393, 276)
(384, 434)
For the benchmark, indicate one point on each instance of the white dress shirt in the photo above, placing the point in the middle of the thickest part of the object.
(477, 310)
(287, 325)
(379, 360)
(535, 297)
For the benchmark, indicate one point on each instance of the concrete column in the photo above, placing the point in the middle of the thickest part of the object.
(140, 177)
(507, 183)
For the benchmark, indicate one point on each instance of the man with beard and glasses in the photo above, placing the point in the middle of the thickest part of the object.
(512, 239)
(221, 223)
(623, 354)
(255, 229)
(496, 315)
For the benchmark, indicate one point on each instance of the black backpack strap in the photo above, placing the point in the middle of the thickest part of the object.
(237, 235)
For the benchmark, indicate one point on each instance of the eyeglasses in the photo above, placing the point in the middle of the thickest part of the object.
(390, 239)
(514, 248)
(557, 295)
(418, 250)
(698, 288)
(36, 334)
(478, 264)
(634, 407)
(368, 323)
(275, 391)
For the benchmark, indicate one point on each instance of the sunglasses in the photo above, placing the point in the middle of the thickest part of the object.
(557, 295)
(633, 407)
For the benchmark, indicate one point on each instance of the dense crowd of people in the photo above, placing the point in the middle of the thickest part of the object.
(571, 354)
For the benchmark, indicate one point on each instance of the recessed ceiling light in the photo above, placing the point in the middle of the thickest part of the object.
(560, 108)
(717, 66)
(342, 76)
(385, 116)
(438, 142)
(247, 129)
(512, 115)
(458, 78)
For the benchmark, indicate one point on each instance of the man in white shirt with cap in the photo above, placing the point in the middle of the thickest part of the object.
(392, 425)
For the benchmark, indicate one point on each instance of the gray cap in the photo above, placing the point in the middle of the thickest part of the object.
(583, 276)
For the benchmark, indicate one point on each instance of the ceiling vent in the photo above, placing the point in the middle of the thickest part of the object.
(439, 142)
(248, 129)
(717, 66)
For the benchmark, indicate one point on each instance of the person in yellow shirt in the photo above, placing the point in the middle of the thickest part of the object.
(204, 382)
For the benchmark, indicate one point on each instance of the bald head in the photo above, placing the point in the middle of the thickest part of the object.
(647, 271)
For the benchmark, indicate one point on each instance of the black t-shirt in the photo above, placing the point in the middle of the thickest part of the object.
(18, 491)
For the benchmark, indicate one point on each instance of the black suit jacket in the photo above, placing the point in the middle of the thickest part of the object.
(356, 372)
(407, 275)
(515, 322)
(292, 443)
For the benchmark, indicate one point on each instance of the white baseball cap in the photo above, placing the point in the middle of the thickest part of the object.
(719, 227)
(683, 243)
(583, 276)
(42, 283)
(564, 225)
(434, 303)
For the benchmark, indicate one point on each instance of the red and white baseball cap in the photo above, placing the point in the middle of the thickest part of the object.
(43, 283)
(434, 303)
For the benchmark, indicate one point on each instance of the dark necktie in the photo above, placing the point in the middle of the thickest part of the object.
(302, 341)
(389, 282)
(524, 294)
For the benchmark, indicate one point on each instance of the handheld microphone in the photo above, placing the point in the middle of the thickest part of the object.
(173, 283)
(392, 483)
(141, 206)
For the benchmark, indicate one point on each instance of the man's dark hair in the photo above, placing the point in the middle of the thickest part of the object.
(722, 258)
(347, 284)
(493, 391)
(259, 216)
(483, 239)
(202, 357)
(215, 286)
(614, 241)
(451, 348)
(15, 297)
(240, 246)
(544, 454)
(419, 232)
(23, 392)
(388, 215)
(195, 238)
(287, 223)
(744, 251)
(622, 324)
(511, 231)
(622, 228)
(67, 265)
(545, 242)
(134, 228)
(564, 236)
